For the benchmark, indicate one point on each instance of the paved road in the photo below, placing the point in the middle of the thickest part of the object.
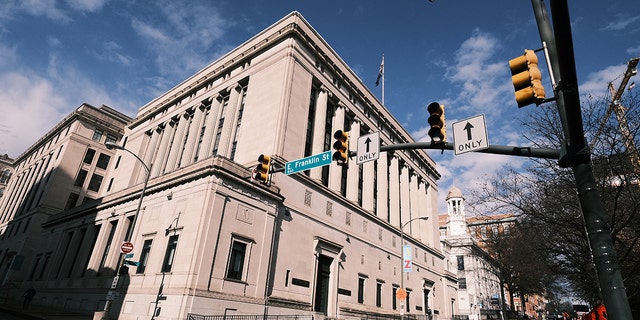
(9, 316)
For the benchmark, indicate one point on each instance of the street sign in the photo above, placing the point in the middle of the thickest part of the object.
(368, 148)
(128, 256)
(470, 135)
(406, 258)
(126, 247)
(401, 294)
(316, 160)
(131, 263)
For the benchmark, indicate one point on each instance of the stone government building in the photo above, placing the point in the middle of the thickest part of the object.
(209, 240)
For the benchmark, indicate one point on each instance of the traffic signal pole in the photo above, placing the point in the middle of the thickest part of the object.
(576, 154)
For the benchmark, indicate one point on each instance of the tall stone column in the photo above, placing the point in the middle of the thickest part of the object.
(414, 198)
(394, 191)
(405, 203)
(319, 121)
(161, 156)
(426, 232)
(229, 121)
(152, 138)
(178, 142)
(353, 171)
(211, 121)
(383, 187)
(368, 174)
(194, 135)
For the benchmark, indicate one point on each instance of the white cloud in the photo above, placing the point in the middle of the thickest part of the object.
(30, 106)
(45, 8)
(621, 22)
(597, 82)
(86, 5)
(184, 43)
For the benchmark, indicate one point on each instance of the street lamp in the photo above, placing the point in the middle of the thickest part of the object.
(402, 261)
(111, 145)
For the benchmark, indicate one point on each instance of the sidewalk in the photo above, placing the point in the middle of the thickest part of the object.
(43, 313)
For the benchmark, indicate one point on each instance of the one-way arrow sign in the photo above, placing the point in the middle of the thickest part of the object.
(368, 148)
(470, 135)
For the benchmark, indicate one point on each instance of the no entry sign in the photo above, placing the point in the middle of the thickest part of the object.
(126, 247)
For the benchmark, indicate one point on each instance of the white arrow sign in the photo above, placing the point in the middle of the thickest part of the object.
(470, 135)
(368, 148)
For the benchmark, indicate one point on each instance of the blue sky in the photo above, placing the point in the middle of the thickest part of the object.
(56, 55)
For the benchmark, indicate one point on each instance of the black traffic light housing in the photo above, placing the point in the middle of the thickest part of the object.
(527, 79)
(263, 169)
(341, 156)
(438, 130)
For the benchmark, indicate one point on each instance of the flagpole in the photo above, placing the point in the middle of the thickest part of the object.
(381, 75)
(383, 79)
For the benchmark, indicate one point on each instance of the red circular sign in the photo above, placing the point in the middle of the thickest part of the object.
(126, 247)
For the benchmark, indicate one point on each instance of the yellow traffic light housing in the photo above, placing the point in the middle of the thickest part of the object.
(527, 79)
(341, 156)
(263, 169)
(438, 130)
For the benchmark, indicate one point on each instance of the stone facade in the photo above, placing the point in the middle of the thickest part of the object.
(208, 239)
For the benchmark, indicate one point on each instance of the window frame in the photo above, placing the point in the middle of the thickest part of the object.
(170, 253)
(244, 266)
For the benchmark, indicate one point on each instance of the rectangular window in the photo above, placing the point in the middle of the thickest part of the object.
(378, 294)
(95, 182)
(361, 281)
(460, 262)
(97, 135)
(111, 138)
(82, 175)
(394, 299)
(88, 157)
(110, 184)
(169, 255)
(236, 260)
(144, 256)
(462, 283)
(103, 161)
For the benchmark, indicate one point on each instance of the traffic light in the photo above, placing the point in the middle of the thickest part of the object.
(341, 156)
(263, 168)
(527, 79)
(438, 130)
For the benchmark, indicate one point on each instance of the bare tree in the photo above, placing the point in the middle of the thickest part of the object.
(545, 198)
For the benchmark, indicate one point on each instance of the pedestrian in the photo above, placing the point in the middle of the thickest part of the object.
(28, 296)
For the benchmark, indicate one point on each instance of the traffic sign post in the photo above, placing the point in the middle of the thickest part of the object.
(368, 148)
(470, 135)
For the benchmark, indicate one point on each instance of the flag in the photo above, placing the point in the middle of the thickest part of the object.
(632, 85)
(380, 72)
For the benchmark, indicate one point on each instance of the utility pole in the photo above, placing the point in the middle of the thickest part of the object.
(576, 154)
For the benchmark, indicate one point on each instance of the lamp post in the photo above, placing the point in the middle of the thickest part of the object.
(402, 261)
(111, 145)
